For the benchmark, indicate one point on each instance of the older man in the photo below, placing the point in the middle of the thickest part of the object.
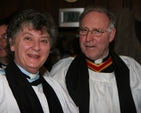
(97, 79)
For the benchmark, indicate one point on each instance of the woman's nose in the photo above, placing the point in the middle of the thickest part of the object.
(36, 46)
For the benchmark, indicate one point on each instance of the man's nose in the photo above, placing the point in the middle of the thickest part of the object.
(89, 36)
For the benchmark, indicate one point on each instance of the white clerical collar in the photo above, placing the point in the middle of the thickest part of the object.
(3, 66)
(32, 76)
(99, 61)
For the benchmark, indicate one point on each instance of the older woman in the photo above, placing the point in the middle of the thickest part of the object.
(22, 89)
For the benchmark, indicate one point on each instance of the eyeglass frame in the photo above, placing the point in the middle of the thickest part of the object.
(96, 30)
(3, 38)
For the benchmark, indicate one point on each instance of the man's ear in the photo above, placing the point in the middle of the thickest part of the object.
(11, 44)
(112, 34)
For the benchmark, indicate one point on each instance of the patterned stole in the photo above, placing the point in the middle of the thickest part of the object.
(105, 66)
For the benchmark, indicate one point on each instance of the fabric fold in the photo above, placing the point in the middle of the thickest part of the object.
(24, 94)
(77, 81)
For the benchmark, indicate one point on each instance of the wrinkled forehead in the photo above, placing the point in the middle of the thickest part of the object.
(96, 19)
(97, 15)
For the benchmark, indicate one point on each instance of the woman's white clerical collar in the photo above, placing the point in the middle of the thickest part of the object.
(30, 75)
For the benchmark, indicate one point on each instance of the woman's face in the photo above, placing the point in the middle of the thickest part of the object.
(31, 48)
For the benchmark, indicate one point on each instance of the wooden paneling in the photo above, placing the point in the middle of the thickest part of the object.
(114, 6)
(55, 10)
(127, 3)
(52, 6)
(3, 8)
(64, 4)
(89, 2)
(103, 3)
(27, 4)
(136, 7)
(79, 3)
(7, 7)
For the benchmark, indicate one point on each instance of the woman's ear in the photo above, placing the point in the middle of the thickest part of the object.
(11, 44)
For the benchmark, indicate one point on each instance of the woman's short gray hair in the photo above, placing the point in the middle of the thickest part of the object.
(39, 21)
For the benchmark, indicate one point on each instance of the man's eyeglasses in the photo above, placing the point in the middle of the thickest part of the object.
(3, 39)
(95, 32)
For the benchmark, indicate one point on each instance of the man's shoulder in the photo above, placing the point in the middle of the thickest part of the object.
(127, 58)
(59, 69)
(64, 62)
(129, 61)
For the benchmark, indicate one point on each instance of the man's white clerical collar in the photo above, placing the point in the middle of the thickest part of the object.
(99, 61)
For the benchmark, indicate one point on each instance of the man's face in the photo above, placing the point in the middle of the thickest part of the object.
(92, 46)
(3, 41)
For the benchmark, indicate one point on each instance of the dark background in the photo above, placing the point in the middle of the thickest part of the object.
(7, 7)
(67, 41)
(52, 6)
